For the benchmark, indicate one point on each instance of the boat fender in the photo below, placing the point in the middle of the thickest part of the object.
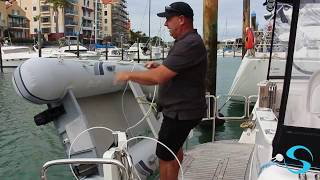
(49, 115)
(249, 38)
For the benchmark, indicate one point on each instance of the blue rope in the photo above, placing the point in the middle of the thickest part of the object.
(266, 165)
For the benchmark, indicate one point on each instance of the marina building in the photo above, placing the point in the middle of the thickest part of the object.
(14, 19)
(78, 16)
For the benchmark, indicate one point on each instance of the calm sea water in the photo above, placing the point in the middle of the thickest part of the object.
(24, 147)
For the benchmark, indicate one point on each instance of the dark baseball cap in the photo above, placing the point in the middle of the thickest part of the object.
(177, 9)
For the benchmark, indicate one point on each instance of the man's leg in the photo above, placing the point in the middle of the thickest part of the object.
(172, 133)
(169, 170)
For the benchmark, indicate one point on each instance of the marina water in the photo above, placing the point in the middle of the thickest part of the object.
(24, 147)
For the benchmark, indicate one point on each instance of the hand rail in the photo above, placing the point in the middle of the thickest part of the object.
(81, 161)
(249, 103)
(213, 117)
(245, 107)
(209, 117)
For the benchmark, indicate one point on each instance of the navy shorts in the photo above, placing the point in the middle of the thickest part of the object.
(173, 133)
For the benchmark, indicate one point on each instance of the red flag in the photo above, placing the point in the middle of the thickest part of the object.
(107, 1)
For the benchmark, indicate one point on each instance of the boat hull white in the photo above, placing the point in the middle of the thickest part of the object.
(255, 69)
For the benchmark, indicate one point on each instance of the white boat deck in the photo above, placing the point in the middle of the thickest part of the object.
(221, 160)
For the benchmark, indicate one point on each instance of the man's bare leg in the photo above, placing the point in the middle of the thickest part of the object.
(169, 170)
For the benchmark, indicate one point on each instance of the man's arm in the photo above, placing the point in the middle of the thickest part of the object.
(153, 76)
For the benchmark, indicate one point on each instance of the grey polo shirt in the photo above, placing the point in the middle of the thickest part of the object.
(183, 96)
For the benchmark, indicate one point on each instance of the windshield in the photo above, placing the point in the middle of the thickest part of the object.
(303, 109)
(299, 115)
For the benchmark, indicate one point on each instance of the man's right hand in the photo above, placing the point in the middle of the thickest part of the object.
(151, 65)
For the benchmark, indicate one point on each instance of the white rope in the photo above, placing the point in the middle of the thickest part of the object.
(122, 101)
(145, 137)
(148, 112)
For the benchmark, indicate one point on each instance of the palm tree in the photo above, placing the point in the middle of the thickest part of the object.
(56, 4)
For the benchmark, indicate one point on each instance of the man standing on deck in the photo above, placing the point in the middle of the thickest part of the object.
(181, 80)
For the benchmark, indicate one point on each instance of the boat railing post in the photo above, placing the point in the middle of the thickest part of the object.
(107, 51)
(121, 44)
(122, 51)
(211, 112)
(1, 65)
(214, 108)
(248, 113)
(138, 50)
(214, 118)
(69, 42)
(150, 51)
(39, 42)
(78, 53)
(162, 51)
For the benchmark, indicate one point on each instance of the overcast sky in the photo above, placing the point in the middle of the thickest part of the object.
(229, 19)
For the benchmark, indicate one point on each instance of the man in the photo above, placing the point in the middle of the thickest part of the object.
(181, 80)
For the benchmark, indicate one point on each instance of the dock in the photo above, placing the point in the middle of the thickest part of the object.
(219, 160)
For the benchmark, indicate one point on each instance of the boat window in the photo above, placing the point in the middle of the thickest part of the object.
(280, 41)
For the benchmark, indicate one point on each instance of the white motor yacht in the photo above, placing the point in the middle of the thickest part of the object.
(69, 52)
(254, 65)
(142, 52)
(114, 53)
(13, 56)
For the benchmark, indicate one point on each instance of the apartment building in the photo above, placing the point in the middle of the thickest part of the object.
(112, 21)
(3, 18)
(79, 16)
(107, 21)
(87, 8)
(120, 21)
(13, 19)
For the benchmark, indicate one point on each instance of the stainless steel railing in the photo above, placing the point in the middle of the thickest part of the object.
(82, 161)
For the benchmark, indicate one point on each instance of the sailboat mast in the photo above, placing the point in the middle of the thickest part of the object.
(226, 34)
(149, 17)
(150, 30)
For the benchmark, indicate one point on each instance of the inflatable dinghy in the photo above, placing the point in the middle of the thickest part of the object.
(81, 95)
